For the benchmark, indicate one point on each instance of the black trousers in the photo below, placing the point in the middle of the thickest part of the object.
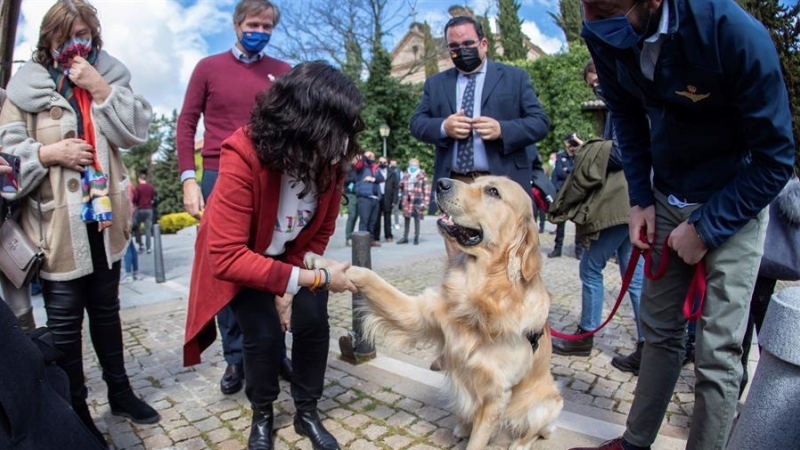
(97, 294)
(385, 214)
(258, 318)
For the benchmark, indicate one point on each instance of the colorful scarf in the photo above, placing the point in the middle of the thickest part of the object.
(96, 202)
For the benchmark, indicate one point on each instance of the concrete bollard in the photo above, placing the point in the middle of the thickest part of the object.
(158, 254)
(769, 418)
(353, 347)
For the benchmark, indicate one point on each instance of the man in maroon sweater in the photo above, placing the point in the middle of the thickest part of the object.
(143, 196)
(223, 89)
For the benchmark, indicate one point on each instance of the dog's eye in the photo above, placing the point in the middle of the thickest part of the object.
(491, 190)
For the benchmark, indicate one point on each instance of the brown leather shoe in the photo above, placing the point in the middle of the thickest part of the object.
(614, 444)
(389, 239)
(375, 244)
(582, 347)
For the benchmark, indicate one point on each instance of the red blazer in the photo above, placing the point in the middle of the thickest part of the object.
(234, 233)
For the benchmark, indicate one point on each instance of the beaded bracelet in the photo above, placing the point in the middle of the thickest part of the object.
(327, 282)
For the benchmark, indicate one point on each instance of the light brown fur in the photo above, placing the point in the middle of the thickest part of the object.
(491, 296)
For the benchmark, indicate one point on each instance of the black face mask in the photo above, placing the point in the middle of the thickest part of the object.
(382, 165)
(368, 161)
(466, 59)
(598, 92)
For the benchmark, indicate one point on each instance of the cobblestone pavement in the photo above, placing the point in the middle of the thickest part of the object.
(362, 408)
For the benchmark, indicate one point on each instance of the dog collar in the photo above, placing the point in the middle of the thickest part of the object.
(533, 338)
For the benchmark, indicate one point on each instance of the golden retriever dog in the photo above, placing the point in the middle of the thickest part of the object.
(488, 318)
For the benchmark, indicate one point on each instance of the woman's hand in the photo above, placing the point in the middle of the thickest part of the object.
(339, 280)
(72, 153)
(86, 76)
(284, 306)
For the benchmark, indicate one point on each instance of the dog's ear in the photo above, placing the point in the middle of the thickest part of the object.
(523, 255)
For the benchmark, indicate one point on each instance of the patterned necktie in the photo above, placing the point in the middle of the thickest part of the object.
(464, 161)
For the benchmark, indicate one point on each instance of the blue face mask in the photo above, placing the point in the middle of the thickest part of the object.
(615, 31)
(412, 169)
(254, 41)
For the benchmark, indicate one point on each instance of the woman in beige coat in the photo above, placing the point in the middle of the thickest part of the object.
(69, 111)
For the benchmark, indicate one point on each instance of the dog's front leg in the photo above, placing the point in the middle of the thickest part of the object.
(486, 418)
(392, 310)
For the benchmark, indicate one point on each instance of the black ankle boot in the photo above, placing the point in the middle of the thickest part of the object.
(307, 423)
(82, 411)
(404, 240)
(126, 404)
(631, 362)
(261, 429)
(582, 347)
(689, 353)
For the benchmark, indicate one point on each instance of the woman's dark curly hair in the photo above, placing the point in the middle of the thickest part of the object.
(305, 125)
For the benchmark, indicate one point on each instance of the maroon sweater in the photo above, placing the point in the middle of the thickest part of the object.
(224, 90)
(143, 196)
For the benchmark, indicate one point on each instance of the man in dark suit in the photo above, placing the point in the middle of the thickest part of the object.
(388, 200)
(481, 114)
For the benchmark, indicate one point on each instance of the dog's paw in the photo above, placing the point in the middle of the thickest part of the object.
(462, 431)
(315, 261)
(358, 275)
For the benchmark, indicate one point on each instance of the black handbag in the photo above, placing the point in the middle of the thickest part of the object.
(781, 260)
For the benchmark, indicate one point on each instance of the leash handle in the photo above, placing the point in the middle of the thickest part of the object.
(626, 282)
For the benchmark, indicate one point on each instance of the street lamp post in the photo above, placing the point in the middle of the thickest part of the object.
(384, 130)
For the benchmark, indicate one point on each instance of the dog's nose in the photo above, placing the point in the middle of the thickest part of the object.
(444, 184)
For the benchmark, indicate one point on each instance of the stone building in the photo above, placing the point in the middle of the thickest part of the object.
(409, 56)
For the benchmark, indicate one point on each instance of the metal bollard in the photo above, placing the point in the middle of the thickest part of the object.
(353, 347)
(158, 254)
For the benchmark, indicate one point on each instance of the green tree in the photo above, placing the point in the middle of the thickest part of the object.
(491, 50)
(783, 24)
(164, 174)
(569, 19)
(558, 80)
(511, 30)
(431, 52)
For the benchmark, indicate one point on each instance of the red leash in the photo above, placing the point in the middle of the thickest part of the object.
(692, 306)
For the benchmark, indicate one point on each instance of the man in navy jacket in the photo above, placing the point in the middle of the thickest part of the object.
(698, 101)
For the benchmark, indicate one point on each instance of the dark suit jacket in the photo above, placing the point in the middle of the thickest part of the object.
(508, 97)
(390, 189)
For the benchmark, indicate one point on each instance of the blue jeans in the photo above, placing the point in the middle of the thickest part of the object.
(131, 258)
(612, 240)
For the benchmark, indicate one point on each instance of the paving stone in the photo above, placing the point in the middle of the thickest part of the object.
(126, 440)
(431, 413)
(409, 405)
(208, 424)
(218, 435)
(400, 419)
(373, 432)
(159, 441)
(357, 421)
(183, 433)
(421, 428)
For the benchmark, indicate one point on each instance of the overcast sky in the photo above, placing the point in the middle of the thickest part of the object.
(161, 40)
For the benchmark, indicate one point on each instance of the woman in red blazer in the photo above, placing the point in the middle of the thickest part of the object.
(277, 197)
